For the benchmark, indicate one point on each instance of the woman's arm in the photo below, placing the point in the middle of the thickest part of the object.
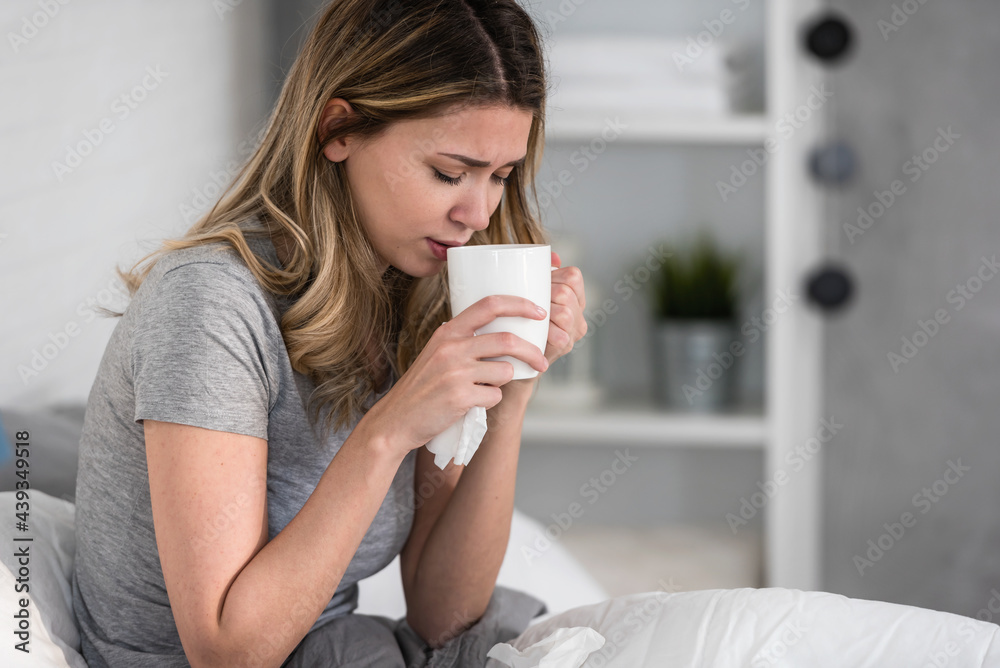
(237, 599)
(461, 528)
(460, 531)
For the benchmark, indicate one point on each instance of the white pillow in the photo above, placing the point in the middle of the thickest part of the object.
(756, 628)
(54, 640)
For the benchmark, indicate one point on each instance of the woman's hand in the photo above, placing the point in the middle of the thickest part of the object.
(449, 376)
(566, 322)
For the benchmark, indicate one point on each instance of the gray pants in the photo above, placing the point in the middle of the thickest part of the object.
(379, 642)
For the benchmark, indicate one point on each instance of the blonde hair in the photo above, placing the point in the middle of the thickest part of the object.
(391, 61)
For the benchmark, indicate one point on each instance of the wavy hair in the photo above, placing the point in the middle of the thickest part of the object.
(391, 60)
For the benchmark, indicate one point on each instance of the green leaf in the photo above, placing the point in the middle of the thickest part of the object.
(696, 281)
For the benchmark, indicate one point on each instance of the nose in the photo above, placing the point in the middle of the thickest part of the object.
(474, 209)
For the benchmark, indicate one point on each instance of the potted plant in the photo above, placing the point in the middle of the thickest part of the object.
(695, 302)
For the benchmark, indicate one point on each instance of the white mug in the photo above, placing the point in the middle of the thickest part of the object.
(524, 270)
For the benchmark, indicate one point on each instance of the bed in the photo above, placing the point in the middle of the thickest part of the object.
(583, 627)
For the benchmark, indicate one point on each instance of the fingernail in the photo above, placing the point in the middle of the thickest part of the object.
(540, 310)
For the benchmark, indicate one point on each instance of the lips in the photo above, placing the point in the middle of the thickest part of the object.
(450, 244)
(438, 250)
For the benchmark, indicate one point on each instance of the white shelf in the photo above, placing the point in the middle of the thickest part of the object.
(648, 126)
(793, 244)
(646, 425)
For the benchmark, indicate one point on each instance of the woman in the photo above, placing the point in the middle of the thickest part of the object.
(306, 316)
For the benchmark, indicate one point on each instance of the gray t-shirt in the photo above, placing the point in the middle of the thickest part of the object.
(199, 344)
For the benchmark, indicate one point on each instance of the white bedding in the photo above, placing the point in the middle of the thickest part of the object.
(756, 628)
(719, 628)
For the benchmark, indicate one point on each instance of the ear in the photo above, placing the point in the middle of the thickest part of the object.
(335, 111)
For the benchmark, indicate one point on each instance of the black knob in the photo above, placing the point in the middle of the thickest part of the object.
(832, 163)
(829, 38)
(829, 287)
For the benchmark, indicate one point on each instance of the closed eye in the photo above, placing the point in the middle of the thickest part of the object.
(455, 181)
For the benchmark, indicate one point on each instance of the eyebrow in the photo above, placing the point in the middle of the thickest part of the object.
(472, 162)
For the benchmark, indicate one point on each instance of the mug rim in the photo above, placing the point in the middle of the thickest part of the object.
(497, 247)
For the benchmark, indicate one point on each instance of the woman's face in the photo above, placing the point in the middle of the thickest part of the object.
(410, 187)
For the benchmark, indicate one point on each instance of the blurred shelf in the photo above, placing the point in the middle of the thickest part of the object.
(639, 422)
(656, 127)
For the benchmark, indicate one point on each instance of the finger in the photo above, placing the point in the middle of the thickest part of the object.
(572, 277)
(570, 320)
(563, 316)
(489, 308)
(497, 344)
(556, 261)
(486, 396)
(558, 337)
(565, 311)
(564, 295)
(494, 372)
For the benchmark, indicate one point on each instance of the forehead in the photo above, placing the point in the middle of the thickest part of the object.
(479, 132)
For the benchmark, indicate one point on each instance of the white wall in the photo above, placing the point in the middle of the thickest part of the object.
(63, 71)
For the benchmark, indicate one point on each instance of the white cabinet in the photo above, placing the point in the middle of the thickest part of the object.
(790, 421)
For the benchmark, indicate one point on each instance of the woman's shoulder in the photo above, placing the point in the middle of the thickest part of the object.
(216, 262)
(217, 258)
(208, 276)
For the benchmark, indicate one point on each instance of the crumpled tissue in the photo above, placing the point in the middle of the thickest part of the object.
(564, 648)
(461, 440)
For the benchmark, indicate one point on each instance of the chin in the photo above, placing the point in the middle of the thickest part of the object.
(421, 270)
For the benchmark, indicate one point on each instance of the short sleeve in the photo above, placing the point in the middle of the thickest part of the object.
(198, 352)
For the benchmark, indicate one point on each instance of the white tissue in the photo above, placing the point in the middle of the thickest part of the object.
(564, 648)
(461, 440)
